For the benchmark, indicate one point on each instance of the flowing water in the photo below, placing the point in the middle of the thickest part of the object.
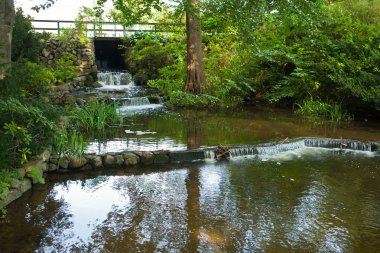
(308, 200)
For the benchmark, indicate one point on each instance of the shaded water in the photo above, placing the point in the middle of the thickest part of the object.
(309, 200)
(182, 130)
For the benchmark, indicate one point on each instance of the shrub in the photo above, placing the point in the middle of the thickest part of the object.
(26, 44)
(145, 58)
(27, 79)
(24, 129)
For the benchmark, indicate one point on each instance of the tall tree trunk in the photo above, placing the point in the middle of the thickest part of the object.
(195, 68)
(7, 14)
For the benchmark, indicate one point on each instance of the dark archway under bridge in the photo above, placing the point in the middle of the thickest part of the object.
(109, 53)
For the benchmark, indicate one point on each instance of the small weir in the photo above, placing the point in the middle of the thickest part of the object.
(276, 148)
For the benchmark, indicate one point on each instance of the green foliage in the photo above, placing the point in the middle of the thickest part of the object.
(145, 58)
(35, 174)
(184, 99)
(26, 44)
(95, 116)
(7, 177)
(64, 68)
(23, 128)
(323, 111)
(67, 35)
(27, 79)
(69, 142)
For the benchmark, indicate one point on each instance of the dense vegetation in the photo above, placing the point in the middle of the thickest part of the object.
(323, 51)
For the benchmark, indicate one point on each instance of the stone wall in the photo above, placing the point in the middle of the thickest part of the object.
(24, 184)
(84, 57)
(122, 160)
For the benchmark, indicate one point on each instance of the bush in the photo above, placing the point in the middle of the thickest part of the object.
(145, 58)
(26, 44)
(24, 129)
(27, 79)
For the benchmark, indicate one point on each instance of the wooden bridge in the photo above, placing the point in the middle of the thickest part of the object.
(103, 29)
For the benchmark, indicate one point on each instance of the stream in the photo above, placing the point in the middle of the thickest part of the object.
(306, 195)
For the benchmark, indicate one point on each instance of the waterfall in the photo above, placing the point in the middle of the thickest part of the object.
(136, 101)
(115, 78)
(338, 143)
(275, 148)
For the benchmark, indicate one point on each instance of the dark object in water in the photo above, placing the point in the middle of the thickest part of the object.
(222, 153)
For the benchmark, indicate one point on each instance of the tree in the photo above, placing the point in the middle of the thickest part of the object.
(7, 14)
(195, 67)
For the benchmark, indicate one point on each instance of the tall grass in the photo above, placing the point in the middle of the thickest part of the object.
(323, 110)
(95, 116)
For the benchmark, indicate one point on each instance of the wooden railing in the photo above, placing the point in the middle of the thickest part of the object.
(104, 29)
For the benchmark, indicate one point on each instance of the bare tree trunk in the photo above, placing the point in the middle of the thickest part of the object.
(7, 13)
(195, 68)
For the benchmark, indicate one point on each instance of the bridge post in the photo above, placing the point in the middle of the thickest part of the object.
(58, 26)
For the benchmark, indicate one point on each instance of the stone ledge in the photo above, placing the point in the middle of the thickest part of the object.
(122, 160)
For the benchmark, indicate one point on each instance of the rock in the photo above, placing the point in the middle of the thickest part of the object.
(96, 85)
(109, 161)
(63, 162)
(12, 196)
(95, 161)
(131, 159)
(119, 160)
(26, 185)
(21, 172)
(146, 157)
(45, 155)
(52, 167)
(86, 167)
(161, 158)
(77, 162)
(35, 164)
(45, 53)
(186, 156)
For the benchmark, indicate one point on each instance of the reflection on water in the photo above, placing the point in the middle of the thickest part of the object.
(192, 129)
(300, 201)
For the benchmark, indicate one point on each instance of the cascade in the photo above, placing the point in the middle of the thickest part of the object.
(115, 78)
(135, 101)
(337, 143)
(274, 148)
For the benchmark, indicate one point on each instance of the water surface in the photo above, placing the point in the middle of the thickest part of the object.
(307, 200)
(181, 130)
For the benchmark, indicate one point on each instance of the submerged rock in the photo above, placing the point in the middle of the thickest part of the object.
(186, 156)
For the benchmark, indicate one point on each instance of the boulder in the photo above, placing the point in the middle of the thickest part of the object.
(146, 157)
(95, 161)
(63, 162)
(109, 161)
(52, 167)
(161, 158)
(131, 159)
(119, 160)
(77, 162)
